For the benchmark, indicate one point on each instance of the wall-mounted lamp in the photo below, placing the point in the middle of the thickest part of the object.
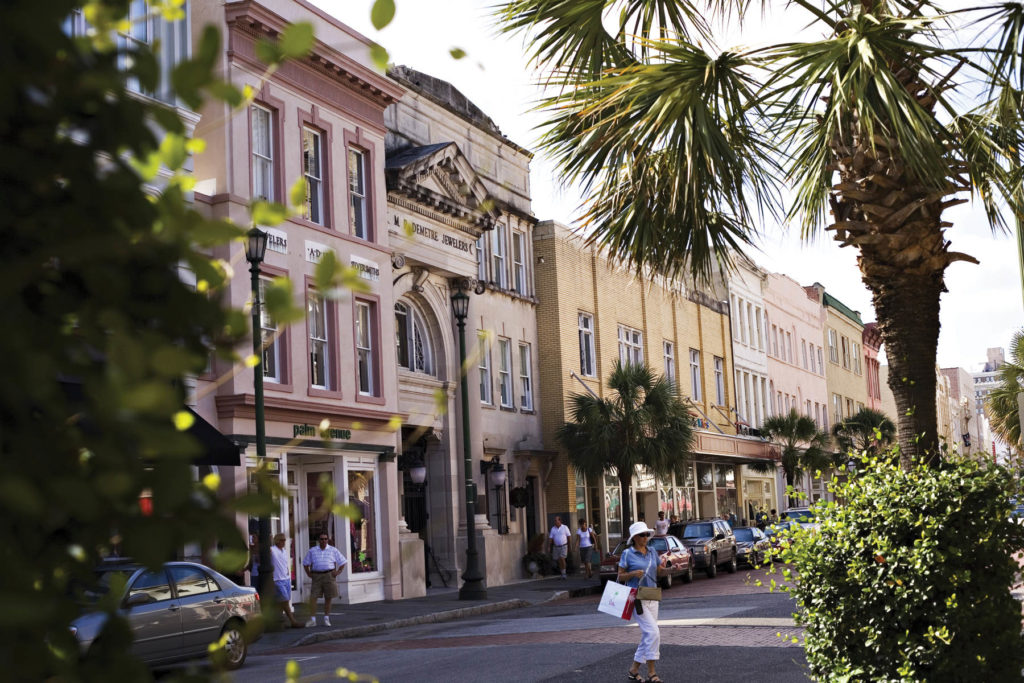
(496, 470)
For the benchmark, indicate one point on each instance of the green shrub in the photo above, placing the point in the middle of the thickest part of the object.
(908, 579)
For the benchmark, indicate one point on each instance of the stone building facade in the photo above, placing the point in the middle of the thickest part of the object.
(459, 216)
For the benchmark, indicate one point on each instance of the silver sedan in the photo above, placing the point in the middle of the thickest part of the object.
(175, 612)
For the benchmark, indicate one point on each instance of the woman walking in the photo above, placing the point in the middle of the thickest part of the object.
(587, 542)
(640, 566)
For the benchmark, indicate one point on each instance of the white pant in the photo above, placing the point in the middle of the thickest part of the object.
(650, 635)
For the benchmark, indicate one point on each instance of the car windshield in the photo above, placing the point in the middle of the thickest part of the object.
(697, 531)
(107, 579)
(659, 544)
(744, 535)
(619, 548)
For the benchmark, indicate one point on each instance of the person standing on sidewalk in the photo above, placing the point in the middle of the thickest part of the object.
(586, 541)
(661, 524)
(323, 563)
(283, 578)
(558, 539)
(641, 566)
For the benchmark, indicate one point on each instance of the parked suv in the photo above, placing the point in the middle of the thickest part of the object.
(711, 541)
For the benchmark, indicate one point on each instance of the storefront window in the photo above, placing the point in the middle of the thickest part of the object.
(725, 489)
(581, 498)
(666, 503)
(612, 505)
(685, 503)
(320, 519)
(363, 531)
(705, 477)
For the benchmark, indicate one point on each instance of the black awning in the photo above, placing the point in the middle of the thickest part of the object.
(218, 449)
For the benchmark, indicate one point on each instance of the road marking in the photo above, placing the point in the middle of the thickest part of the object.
(726, 621)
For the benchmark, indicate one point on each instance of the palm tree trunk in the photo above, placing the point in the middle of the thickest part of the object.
(626, 500)
(908, 318)
(791, 500)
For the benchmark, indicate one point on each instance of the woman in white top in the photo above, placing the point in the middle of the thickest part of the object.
(587, 543)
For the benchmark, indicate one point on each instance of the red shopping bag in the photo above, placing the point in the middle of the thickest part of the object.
(617, 600)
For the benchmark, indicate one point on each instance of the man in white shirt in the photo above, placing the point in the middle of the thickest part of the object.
(322, 563)
(661, 526)
(558, 539)
(283, 578)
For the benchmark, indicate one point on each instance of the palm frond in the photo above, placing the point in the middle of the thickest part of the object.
(671, 157)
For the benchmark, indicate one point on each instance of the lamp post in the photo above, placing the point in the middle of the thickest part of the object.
(472, 579)
(255, 250)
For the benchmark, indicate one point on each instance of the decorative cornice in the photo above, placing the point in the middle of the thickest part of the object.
(254, 19)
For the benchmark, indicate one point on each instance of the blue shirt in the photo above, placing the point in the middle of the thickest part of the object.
(633, 560)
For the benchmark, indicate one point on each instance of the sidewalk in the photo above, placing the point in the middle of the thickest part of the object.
(440, 604)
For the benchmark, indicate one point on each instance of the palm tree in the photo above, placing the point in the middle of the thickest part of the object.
(803, 447)
(643, 423)
(1001, 403)
(893, 113)
(868, 431)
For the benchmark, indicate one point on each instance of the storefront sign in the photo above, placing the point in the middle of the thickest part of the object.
(277, 240)
(315, 251)
(310, 430)
(368, 270)
(431, 235)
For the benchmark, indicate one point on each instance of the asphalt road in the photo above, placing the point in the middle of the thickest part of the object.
(722, 629)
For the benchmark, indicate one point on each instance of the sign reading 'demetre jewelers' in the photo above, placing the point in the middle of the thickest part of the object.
(437, 236)
(310, 430)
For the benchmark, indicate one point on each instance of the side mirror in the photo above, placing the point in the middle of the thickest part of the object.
(137, 599)
(719, 536)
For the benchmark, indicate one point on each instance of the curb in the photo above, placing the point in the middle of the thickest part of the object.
(433, 618)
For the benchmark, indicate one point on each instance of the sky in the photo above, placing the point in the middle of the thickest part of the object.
(982, 309)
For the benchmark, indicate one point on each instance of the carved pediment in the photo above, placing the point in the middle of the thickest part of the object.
(441, 178)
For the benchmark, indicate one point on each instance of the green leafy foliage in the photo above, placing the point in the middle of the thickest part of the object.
(643, 423)
(382, 12)
(908, 579)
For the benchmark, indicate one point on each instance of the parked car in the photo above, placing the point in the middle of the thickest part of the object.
(803, 516)
(680, 560)
(175, 612)
(751, 545)
(712, 542)
(1017, 514)
(777, 533)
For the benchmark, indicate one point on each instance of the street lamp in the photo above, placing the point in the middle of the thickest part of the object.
(472, 579)
(255, 250)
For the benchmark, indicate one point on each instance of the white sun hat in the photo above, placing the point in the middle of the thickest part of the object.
(638, 528)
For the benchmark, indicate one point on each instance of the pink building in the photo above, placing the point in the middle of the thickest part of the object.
(872, 343)
(796, 361)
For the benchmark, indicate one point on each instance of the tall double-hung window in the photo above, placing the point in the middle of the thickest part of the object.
(319, 341)
(588, 365)
(525, 377)
(312, 170)
(695, 378)
(262, 120)
(631, 346)
(505, 388)
(357, 212)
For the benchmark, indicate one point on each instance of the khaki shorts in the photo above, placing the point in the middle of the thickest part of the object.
(324, 585)
(559, 552)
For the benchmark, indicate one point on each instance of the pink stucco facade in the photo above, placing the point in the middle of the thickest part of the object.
(795, 356)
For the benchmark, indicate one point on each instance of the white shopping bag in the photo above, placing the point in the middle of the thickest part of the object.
(617, 600)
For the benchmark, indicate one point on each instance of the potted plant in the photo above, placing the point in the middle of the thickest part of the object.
(537, 562)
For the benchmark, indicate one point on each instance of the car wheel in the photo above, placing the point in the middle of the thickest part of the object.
(688, 576)
(712, 566)
(731, 567)
(231, 654)
(666, 582)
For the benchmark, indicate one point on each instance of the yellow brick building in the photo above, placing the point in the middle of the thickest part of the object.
(593, 312)
(844, 356)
